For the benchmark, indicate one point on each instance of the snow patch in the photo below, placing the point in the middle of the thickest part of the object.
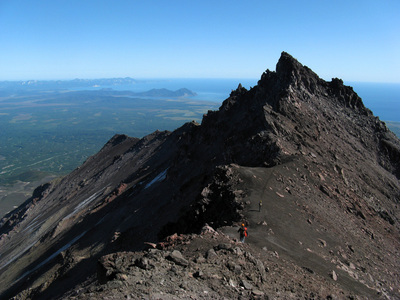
(34, 225)
(84, 203)
(159, 177)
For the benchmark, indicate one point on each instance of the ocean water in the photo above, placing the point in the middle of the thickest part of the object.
(382, 98)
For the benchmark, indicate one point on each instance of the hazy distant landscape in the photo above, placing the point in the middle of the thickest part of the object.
(48, 133)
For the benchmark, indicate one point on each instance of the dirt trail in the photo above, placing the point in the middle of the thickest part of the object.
(282, 227)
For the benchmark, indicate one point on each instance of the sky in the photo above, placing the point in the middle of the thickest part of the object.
(67, 39)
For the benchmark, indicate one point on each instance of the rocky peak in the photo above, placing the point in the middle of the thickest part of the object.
(291, 109)
(290, 74)
(292, 80)
(290, 71)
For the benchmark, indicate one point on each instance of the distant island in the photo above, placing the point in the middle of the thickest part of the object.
(167, 93)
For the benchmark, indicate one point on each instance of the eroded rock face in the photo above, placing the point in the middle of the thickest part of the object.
(324, 169)
(220, 203)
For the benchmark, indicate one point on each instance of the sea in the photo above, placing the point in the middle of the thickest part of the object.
(383, 99)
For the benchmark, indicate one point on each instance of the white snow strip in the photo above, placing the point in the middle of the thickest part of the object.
(34, 225)
(65, 247)
(159, 177)
(84, 203)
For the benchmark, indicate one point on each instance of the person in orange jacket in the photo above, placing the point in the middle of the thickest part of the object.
(243, 232)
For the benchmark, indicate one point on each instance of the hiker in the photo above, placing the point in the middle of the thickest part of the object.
(243, 232)
(259, 206)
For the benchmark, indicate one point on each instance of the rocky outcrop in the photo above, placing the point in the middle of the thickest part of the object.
(206, 266)
(219, 204)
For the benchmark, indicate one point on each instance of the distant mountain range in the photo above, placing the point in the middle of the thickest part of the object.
(66, 84)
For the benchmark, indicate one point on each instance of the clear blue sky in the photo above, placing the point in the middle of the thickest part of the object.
(352, 40)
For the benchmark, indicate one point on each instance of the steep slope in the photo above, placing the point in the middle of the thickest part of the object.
(326, 170)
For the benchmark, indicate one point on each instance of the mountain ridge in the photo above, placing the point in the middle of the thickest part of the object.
(325, 169)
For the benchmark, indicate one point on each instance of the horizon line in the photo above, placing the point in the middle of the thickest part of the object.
(178, 78)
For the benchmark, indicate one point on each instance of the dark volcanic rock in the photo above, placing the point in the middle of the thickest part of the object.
(325, 170)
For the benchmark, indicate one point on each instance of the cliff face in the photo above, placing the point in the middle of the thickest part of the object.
(324, 168)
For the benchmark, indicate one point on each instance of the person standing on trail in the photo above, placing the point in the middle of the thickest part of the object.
(243, 233)
(259, 206)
